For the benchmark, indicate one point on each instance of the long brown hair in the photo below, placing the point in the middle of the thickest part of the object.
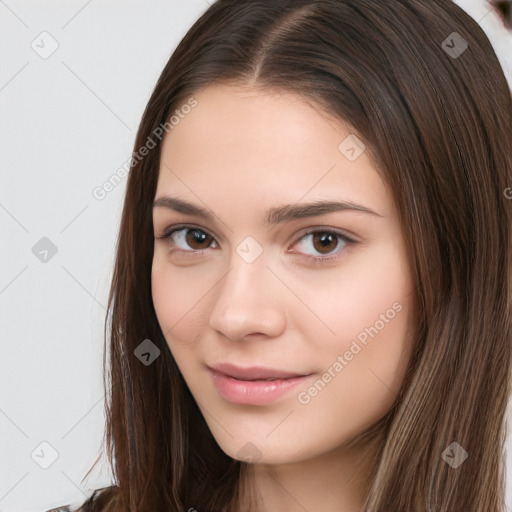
(421, 85)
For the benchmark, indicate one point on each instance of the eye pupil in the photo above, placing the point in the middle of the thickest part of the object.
(195, 236)
(325, 240)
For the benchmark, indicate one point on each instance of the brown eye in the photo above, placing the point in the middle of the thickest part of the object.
(188, 239)
(196, 239)
(324, 243)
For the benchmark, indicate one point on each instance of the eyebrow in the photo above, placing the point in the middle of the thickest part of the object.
(276, 215)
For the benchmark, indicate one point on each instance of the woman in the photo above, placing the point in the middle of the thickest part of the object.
(354, 354)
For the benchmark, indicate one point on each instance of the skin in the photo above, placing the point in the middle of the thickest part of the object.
(239, 152)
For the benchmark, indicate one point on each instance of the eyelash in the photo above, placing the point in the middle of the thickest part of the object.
(315, 259)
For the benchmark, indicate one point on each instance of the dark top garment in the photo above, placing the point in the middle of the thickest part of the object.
(97, 496)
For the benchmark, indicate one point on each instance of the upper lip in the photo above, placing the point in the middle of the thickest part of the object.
(254, 372)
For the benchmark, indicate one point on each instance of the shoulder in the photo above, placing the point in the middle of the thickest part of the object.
(101, 500)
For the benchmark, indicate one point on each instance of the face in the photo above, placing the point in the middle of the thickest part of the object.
(265, 286)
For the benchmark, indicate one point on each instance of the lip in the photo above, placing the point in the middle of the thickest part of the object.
(253, 372)
(246, 385)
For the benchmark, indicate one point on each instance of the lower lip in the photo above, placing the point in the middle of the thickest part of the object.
(253, 392)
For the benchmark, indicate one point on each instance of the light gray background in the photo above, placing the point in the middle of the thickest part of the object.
(67, 123)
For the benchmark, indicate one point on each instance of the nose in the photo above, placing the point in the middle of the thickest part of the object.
(249, 301)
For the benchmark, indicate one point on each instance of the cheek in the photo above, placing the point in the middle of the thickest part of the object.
(370, 312)
(366, 291)
(360, 380)
(177, 302)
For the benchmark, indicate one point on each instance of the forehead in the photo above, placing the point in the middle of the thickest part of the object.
(264, 147)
